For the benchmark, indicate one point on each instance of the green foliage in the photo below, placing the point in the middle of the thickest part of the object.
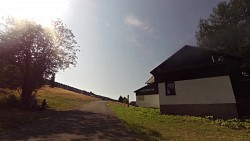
(148, 124)
(123, 99)
(120, 99)
(228, 30)
(10, 76)
(8, 98)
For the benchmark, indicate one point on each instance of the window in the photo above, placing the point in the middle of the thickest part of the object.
(217, 58)
(170, 88)
(141, 97)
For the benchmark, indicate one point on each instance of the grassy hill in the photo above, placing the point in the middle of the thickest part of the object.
(61, 99)
(57, 99)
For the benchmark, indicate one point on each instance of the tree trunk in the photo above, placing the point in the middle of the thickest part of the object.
(26, 83)
(25, 96)
(52, 81)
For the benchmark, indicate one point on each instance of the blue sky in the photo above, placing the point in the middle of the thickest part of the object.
(121, 41)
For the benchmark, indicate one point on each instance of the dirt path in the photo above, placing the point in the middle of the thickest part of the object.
(95, 122)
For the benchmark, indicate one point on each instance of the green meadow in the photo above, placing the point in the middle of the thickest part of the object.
(148, 125)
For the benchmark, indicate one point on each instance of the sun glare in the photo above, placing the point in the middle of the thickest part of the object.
(42, 11)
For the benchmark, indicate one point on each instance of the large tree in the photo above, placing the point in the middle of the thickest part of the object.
(10, 76)
(35, 52)
(228, 30)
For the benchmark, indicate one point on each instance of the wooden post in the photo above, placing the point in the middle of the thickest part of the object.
(128, 100)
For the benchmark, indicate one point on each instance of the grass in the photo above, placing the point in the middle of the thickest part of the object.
(57, 99)
(148, 125)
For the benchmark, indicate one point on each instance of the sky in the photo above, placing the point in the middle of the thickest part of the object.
(120, 41)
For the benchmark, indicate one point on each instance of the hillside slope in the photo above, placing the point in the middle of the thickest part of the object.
(61, 99)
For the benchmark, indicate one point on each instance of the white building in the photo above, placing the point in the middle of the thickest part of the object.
(200, 82)
(148, 96)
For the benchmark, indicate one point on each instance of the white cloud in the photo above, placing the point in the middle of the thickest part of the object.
(135, 22)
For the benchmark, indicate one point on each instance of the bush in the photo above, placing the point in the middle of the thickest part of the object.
(120, 99)
(8, 98)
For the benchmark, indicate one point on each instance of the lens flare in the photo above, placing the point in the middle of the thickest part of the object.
(43, 11)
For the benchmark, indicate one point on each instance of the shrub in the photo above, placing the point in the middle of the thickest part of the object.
(8, 98)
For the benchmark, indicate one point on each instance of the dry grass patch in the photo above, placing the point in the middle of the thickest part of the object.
(61, 99)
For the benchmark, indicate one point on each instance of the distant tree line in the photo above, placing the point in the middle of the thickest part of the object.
(67, 87)
(123, 99)
(73, 89)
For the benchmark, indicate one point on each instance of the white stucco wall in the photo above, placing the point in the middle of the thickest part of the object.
(213, 90)
(149, 101)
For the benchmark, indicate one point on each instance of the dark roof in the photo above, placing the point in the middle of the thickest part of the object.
(191, 57)
(148, 89)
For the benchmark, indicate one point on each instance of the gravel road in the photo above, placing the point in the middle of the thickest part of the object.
(94, 122)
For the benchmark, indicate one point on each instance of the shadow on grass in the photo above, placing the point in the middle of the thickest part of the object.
(143, 133)
(74, 124)
(15, 117)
